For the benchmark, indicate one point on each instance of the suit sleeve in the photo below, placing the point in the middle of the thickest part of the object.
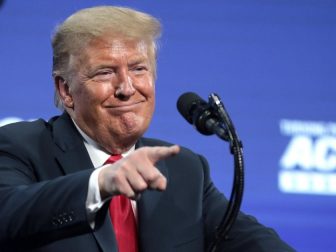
(246, 234)
(35, 211)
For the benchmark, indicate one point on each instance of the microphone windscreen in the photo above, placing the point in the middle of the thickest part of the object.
(185, 103)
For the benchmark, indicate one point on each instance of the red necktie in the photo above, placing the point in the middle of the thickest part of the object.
(123, 219)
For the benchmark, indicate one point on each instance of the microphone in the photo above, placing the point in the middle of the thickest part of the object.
(201, 114)
(209, 118)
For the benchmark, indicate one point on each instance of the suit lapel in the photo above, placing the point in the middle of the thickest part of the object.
(73, 157)
(103, 231)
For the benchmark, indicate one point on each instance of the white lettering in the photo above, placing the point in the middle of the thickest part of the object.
(309, 161)
(307, 182)
(295, 127)
(299, 153)
(304, 153)
(325, 153)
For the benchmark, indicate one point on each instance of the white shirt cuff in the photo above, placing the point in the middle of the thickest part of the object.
(93, 201)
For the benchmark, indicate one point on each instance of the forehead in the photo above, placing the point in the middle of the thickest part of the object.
(111, 51)
(115, 48)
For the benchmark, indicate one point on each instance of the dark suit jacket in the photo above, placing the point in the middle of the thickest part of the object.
(44, 174)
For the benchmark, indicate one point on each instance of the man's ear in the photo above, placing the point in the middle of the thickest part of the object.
(63, 90)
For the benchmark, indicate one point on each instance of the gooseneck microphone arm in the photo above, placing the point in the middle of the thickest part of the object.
(238, 181)
(212, 118)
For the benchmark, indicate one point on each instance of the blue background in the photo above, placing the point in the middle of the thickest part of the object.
(268, 60)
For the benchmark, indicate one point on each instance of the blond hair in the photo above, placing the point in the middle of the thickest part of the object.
(79, 29)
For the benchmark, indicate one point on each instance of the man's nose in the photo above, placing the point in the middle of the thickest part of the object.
(124, 88)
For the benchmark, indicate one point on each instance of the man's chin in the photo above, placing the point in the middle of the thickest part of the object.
(122, 142)
(130, 123)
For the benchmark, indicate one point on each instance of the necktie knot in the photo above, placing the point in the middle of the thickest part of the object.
(113, 158)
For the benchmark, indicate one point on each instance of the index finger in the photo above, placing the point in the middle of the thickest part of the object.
(162, 152)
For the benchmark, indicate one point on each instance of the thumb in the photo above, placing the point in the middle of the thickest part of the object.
(161, 152)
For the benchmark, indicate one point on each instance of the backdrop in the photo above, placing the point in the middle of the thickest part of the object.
(272, 63)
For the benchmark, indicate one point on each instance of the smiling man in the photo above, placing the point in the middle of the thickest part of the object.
(115, 78)
(87, 180)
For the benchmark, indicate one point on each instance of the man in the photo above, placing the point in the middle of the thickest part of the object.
(53, 200)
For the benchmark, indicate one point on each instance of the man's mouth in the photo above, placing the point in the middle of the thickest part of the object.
(127, 106)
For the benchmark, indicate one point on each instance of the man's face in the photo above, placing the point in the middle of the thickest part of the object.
(111, 92)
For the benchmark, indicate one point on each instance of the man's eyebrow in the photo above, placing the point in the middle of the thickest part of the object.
(137, 60)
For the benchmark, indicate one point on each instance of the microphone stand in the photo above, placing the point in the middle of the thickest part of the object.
(236, 149)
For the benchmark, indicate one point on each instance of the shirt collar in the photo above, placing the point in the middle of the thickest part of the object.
(97, 155)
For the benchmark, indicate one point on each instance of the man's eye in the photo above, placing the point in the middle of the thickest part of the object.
(139, 69)
(104, 73)
(102, 76)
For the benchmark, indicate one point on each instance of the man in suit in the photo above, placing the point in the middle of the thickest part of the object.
(58, 188)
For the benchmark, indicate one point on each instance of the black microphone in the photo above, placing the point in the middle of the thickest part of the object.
(209, 118)
(201, 114)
